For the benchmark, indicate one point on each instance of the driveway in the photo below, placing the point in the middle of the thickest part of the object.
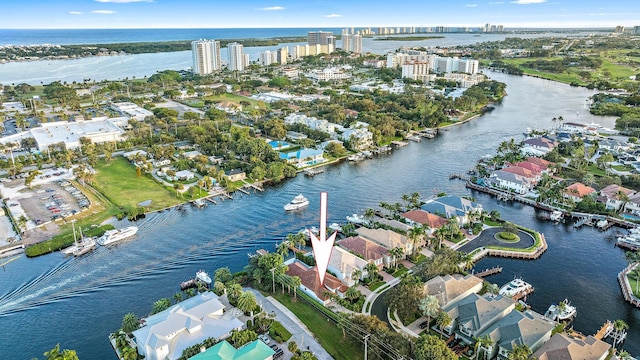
(301, 334)
(487, 238)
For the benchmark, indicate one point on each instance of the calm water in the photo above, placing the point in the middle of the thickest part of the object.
(141, 65)
(77, 302)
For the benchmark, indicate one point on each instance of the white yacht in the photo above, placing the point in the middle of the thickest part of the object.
(515, 287)
(556, 215)
(84, 246)
(560, 312)
(112, 236)
(202, 276)
(631, 242)
(298, 202)
(356, 219)
(335, 227)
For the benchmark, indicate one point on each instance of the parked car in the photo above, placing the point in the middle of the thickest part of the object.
(424, 324)
(265, 339)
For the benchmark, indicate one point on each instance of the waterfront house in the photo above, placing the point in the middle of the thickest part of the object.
(538, 146)
(393, 224)
(368, 250)
(510, 182)
(445, 210)
(310, 282)
(184, 175)
(577, 191)
(166, 334)
(359, 138)
(431, 222)
(255, 350)
(235, 175)
(517, 170)
(295, 136)
(610, 145)
(474, 314)
(449, 289)
(304, 157)
(536, 170)
(633, 204)
(573, 127)
(387, 238)
(563, 346)
(615, 196)
(342, 263)
(517, 329)
(540, 162)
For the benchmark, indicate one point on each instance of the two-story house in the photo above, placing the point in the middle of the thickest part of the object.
(368, 250)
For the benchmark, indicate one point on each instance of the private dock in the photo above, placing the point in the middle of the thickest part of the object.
(210, 199)
(242, 190)
(523, 294)
(314, 171)
(399, 144)
(254, 187)
(488, 272)
(604, 331)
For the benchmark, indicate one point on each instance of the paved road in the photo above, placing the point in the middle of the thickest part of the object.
(301, 334)
(487, 237)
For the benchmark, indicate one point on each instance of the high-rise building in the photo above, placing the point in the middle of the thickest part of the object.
(346, 42)
(636, 30)
(282, 55)
(206, 56)
(267, 58)
(619, 29)
(236, 56)
(319, 37)
(356, 44)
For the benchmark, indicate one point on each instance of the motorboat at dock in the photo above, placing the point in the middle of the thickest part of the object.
(561, 312)
(516, 289)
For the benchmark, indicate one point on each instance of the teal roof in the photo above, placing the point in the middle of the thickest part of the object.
(255, 350)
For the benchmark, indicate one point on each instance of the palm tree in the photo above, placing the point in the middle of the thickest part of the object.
(429, 307)
(443, 320)
(177, 297)
(467, 261)
(624, 355)
(295, 282)
(483, 343)
(356, 275)
(247, 302)
(372, 270)
(493, 289)
(129, 353)
(352, 293)
(415, 234)
(619, 329)
(520, 353)
(284, 248)
(397, 253)
(130, 323)
(233, 292)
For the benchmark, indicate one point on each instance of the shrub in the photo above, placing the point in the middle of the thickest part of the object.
(279, 333)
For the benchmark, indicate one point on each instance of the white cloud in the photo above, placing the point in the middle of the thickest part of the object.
(104, 12)
(528, 2)
(333, 16)
(75, 13)
(496, 2)
(471, 5)
(272, 8)
(122, 1)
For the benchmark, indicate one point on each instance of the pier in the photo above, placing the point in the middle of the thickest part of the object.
(488, 272)
(399, 144)
(210, 199)
(242, 190)
(627, 292)
(604, 331)
(314, 171)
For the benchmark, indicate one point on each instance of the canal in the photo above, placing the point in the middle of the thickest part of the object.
(78, 302)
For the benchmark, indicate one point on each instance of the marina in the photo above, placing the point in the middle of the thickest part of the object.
(129, 277)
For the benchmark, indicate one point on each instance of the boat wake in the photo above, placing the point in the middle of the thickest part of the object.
(94, 271)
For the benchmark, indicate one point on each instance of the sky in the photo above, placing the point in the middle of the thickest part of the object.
(79, 14)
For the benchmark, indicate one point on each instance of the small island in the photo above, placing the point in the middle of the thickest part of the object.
(408, 38)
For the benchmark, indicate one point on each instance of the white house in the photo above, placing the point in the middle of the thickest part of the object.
(166, 334)
(343, 264)
(509, 181)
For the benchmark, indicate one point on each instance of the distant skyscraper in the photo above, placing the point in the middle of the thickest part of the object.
(206, 56)
(636, 30)
(619, 29)
(283, 55)
(356, 44)
(346, 42)
(319, 37)
(236, 57)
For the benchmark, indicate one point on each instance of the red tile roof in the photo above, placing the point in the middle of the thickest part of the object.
(579, 190)
(311, 280)
(369, 250)
(534, 168)
(540, 162)
(519, 171)
(425, 218)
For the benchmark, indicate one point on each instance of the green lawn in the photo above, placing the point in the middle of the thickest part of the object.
(595, 170)
(237, 99)
(622, 167)
(327, 332)
(118, 181)
(633, 284)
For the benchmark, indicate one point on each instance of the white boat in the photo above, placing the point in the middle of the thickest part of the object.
(356, 157)
(84, 246)
(112, 236)
(601, 224)
(515, 287)
(298, 202)
(561, 312)
(356, 219)
(630, 242)
(199, 203)
(202, 276)
(556, 215)
(335, 227)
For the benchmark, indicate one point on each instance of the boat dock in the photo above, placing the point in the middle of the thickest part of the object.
(604, 331)
(488, 272)
(210, 199)
(399, 144)
(314, 171)
(242, 190)
(523, 294)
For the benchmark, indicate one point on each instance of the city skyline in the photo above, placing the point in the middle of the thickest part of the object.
(79, 14)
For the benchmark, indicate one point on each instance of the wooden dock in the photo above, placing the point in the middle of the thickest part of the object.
(255, 187)
(242, 190)
(399, 144)
(523, 295)
(604, 331)
(210, 199)
(488, 272)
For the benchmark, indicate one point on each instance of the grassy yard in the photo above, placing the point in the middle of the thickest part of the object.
(634, 286)
(595, 170)
(117, 180)
(237, 99)
(329, 335)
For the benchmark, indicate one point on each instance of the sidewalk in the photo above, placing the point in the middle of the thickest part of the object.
(301, 334)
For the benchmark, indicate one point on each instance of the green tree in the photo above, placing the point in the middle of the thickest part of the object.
(233, 293)
(405, 297)
(429, 307)
(520, 353)
(619, 329)
(483, 343)
(352, 293)
(247, 302)
(431, 347)
(443, 320)
(223, 275)
(129, 353)
(372, 270)
(130, 323)
(56, 354)
(160, 305)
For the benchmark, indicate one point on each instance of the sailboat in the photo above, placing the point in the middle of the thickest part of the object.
(84, 246)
